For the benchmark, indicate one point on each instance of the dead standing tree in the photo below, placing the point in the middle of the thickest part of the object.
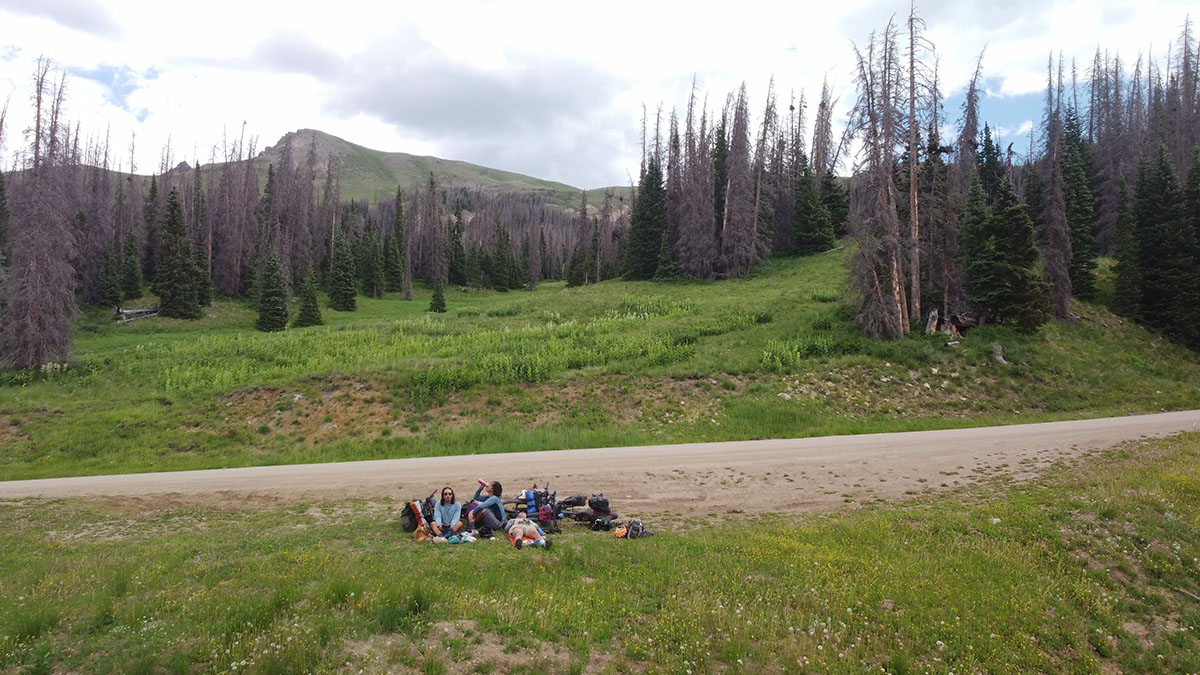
(41, 282)
(1056, 233)
(876, 271)
(918, 80)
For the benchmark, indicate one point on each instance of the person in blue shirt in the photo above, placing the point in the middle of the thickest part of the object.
(447, 515)
(490, 512)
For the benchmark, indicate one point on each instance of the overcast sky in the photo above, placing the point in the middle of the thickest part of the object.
(551, 89)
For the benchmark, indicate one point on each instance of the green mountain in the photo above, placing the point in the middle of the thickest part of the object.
(374, 174)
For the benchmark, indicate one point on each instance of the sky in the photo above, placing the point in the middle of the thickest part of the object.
(548, 88)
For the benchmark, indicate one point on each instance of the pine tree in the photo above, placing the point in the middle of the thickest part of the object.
(1027, 296)
(1127, 292)
(1192, 224)
(150, 216)
(811, 224)
(836, 201)
(131, 271)
(371, 266)
(475, 268)
(438, 302)
(272, 297)
(1000, 259)
(393, 265)
(991, 168)
(203, 278)
(342, 289)
(457, 260)
(176, 280)
(668, 269)
(647, 224)
(577, 269)
(109, 290)
(310, 310)
(720, 176)
(980, 257)
(1080, 215)
(1169, 293)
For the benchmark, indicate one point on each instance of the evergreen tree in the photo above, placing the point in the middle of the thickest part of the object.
(438, 302)
(371, 266)
(475, 268)
(507, 274)
(1169, 293)
(457, 261)
(1192, 224)
(203, 278)
(393, 264)
(131, 271)
(272, 297)
(720, 177)
(342, 289)
(150, 216)
(836, 201)
(1080, 215)
(668, 269)
(647, 224)
(812, 226)
(109, 287)
(991, 167)
(1127, 294)
(489, 272)
(310, 310)
(576, 269)
(1000, 259)
(176, 280)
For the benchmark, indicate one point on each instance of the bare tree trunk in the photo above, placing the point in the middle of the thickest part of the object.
(913, 153)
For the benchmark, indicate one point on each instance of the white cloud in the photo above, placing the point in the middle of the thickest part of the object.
(198, 70)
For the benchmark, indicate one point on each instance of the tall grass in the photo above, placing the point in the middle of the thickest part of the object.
(166, 394)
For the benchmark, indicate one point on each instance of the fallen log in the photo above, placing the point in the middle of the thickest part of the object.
(127, 315)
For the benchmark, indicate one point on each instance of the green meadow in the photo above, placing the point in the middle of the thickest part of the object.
(617, 363)
(1089, 569)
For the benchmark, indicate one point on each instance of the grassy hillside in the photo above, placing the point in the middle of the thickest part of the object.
(1092, 569)
(375, 174)
(611, 364)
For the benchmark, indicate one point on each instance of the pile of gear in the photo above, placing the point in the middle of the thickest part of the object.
(529, 518)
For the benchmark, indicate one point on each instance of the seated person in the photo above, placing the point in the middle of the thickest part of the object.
(521, 528)
(490, 512)
(447, 515)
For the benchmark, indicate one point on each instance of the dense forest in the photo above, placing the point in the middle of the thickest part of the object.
(959, 226)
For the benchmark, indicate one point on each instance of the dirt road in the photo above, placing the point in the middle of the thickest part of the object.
(704, 478)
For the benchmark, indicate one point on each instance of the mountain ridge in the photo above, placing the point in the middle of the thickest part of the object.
(375, 174)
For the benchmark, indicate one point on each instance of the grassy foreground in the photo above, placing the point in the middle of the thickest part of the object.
(1092, 566)
(618, 363)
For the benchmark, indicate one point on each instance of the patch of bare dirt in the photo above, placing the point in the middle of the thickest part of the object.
(461, 649)
(10, 430)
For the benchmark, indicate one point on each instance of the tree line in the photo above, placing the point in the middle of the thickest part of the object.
(1005, 236)
(961, 225)
(75, 231)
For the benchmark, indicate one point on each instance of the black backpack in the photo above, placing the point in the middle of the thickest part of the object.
(599, 504)
(603, 523)
(408, 519)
